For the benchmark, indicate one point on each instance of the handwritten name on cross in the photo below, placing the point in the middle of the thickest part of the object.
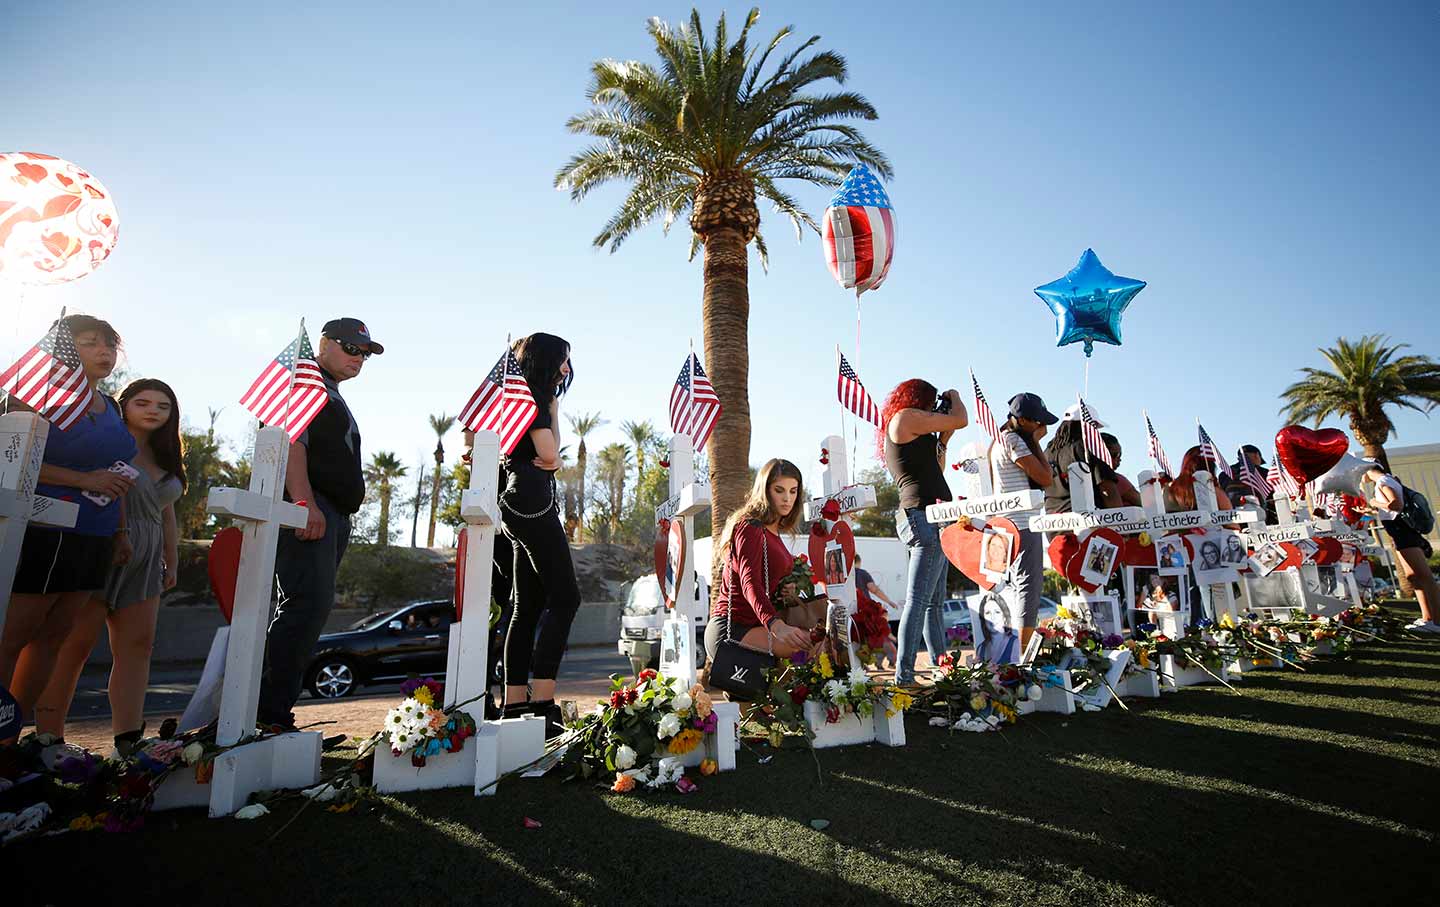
(262, 513)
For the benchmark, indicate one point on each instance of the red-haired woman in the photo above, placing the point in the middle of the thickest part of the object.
(1180, 493)
(916, 424)
(129, 603)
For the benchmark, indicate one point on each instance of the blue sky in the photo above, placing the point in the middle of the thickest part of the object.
(1270, 172)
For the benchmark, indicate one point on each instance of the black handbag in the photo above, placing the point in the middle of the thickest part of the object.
(736, 668)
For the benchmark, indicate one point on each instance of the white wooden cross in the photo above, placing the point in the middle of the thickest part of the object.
(22, 448)
(284, 761)
(498, 746)
(687, 498)
(1294, 524)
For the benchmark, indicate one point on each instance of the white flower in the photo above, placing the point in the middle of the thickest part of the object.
(667, 771)
(681, 702)
(641, 774)
(321, 793)
(253, 811)
(835, 690)
(938, 721)
(1034, 691)
(669, 726)
(192, 753)
(624, 757)
(857, 677)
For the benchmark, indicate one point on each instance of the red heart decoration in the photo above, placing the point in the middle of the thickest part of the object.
(669, 534)
(1330, 551)
(1072, 568)
(223, 565)
(1294, 557)
(1135, 554)
(964, 546)
(33, 172)
(1307, 454)
(819, 538)
(460, 548)
(1062, 548)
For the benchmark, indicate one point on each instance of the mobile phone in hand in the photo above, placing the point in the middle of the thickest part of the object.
(124, 469)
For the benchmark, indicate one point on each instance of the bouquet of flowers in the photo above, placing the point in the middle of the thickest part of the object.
(798, 586)
(803, 678)
(978, 697)
(420, 727)
(643, 728)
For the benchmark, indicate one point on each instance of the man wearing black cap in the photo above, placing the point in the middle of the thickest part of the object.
(324, 473)
(1018, 463)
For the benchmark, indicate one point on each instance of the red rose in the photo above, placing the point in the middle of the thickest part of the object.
(456, 742)
(831, 510)
(631, 695)
(617, 699)
(647, 674)
(800, 694)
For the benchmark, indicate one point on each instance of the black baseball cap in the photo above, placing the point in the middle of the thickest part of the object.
(1251, 448)
(351, 330)
(1030, 406)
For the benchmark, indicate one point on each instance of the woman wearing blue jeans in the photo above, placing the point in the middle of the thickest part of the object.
(917, 424)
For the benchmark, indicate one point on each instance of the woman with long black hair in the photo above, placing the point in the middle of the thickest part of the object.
(546, 594)
(129, 603)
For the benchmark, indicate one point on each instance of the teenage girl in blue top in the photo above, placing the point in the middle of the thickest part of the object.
(60, 569)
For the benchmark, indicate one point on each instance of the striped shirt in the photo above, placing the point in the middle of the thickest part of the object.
(1005, 473)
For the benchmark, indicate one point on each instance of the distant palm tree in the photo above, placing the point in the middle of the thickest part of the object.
(641, 435)
(705, 132)
(582, 425)
(1365, 376)
(440, 425)
(384, 469)
(614, 463)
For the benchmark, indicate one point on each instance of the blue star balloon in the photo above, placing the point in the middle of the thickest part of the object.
(1087, 302)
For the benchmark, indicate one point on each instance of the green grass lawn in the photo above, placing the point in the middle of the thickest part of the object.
(1311, 788)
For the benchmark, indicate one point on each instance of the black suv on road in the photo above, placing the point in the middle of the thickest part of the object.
(385, 647)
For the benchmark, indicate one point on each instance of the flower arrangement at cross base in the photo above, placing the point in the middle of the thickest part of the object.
(639, 736)
(978, 697)
(422, 728)
(805, 678)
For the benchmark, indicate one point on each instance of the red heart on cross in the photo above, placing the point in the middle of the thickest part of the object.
(820, 539)
(223, 565)
(460, 547)
(669, 558)
(1135, 554)
(964, 545)
(1294, 557)
(1307, 454)
(1062, 548)
(1092, 544)
(1330, 551)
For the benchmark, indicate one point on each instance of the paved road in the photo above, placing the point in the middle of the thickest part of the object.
(170, 689)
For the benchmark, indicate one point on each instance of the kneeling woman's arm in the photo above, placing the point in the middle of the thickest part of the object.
(750, 544)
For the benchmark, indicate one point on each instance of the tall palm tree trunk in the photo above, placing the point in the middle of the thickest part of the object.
(580, 454)
(435, 493)
(726, 317)
(383, 531)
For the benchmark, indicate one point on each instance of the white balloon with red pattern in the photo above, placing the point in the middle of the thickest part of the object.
(58, 223)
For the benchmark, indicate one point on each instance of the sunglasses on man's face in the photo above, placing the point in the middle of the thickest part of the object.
(353, 350)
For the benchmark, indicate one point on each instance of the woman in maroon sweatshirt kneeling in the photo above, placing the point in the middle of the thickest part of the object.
(756, 560)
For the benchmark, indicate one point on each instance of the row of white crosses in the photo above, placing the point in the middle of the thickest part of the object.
(688, 498)
(850, 729)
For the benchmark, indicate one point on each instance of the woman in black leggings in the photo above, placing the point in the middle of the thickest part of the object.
(546, 594)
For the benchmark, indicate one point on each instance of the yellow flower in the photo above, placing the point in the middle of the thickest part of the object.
(1226, 621)
(342, 807)
(685, 741)
(82, 823)
(1144, 658)
(826, 670)
(1004, 711)
(709, 766)
(422, 695)
(901, 700)
(977, 701)
(1063, 613)
(777, 736)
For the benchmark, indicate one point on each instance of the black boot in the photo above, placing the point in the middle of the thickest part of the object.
(125, 743)
(549, 709)
(516, 710)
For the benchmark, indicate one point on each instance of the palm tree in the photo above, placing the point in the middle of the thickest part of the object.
(613, 464)
(1364, 378)
(705, 132)
(384, 468)
(440, 425)
(641, 435)
(582, 425)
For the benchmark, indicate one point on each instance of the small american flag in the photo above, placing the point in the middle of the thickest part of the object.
(502, 404)
(50, 379)
(1209, 451)
(290, 392)
(694, 407)
(1090, 431)
(982, 410)
(1280, 479)
(1157, 453)
(853, 395)
(1254, 478)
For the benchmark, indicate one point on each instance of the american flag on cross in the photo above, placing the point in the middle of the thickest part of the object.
(1211, 452)
(853, 395)
(290, 392)
(49, 378)
(982, 410)
(1280, 479)
(1253, 478)
(502, 404)
(694, 406)
(1157, 453)
(1090, 431)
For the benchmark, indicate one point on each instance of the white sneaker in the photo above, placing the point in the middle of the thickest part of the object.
(1417, 622)
(1424, 627)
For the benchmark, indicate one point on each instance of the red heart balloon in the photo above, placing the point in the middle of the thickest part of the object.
(460, 548)
(223, 565)
(965, 546)
(1307, 454)
(819, 538)
(669, 537)
(1073, 567)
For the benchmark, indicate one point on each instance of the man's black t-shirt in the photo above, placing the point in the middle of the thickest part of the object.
(332, 452)
(1057, 496)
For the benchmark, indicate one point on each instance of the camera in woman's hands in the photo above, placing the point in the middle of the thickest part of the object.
(942, 405)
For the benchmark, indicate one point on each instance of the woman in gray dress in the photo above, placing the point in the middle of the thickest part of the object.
(130, 601)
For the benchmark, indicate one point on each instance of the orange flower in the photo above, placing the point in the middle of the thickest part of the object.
(709, 766)
(702, 703)
(624, 784)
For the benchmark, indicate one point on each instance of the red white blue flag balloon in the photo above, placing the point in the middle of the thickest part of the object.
(859, 232)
